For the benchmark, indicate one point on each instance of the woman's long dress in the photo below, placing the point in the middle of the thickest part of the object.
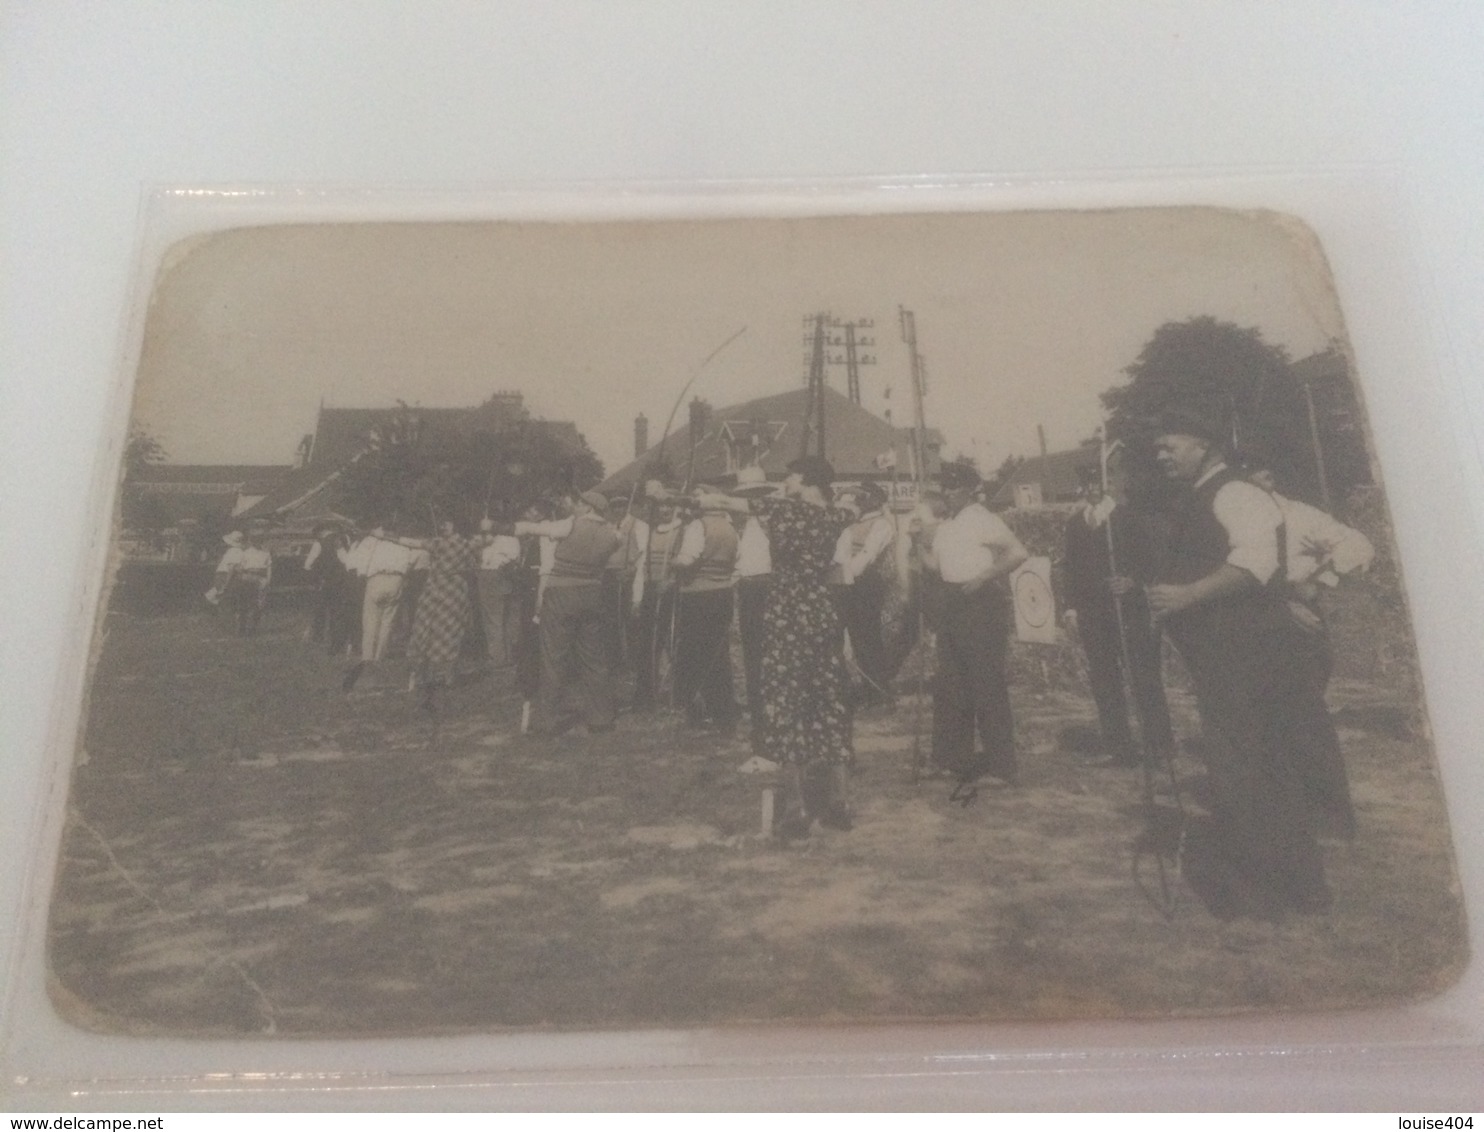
(804, 679)
(444, 609)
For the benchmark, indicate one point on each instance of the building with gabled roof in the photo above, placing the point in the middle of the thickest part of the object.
(203, 491)
(769, 432)
(309, 493)
(1053, 478)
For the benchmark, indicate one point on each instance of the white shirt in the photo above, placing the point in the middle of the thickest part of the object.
(692, 543)
(256, 558)
(1320, 548)
(230, 560)
(1251, 520)
(373, 555)
(878, 537)
(754, 555)
(502, 550)
(546, 528)
(965, 544)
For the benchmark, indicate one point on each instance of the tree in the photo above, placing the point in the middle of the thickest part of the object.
(1229, 374)
(413, 473)
(140, 451)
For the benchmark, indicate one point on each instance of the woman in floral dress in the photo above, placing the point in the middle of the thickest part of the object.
(805, 684)
(445, 609)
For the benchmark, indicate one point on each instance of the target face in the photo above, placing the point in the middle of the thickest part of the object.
(1033, 598)
(1035, 606)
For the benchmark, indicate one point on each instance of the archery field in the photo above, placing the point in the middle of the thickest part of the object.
(249, 851)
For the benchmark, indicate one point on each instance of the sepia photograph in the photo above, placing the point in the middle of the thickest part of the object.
(603, 625)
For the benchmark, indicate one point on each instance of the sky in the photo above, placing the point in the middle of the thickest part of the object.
(1022, 318)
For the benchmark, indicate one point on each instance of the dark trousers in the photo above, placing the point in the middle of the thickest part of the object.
(970, 692)
(752, 596)
(1248, 680)
(337, 613)
(572, 628)
(703, 657)
(1315, 745)
(615, 608)
(860, 608)
(651, 641)
(527, 649)
(500, 615)
(1098, 628)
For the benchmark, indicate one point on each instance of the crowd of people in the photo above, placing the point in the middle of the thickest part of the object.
(590, 603)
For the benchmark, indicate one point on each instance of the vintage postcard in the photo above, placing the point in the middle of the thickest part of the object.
(957, 616)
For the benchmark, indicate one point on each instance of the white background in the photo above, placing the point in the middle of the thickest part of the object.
(102, 100)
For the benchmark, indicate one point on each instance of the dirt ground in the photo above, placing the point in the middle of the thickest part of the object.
(250, 851)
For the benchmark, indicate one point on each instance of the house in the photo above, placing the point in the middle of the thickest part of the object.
(309, 493)
(769, 432)
(1040, 480)
(202, 491)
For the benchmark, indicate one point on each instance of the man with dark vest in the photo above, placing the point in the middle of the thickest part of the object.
(571, 614)
(862, 558)
(1218, 597)
(1107, 552)
(704, 565)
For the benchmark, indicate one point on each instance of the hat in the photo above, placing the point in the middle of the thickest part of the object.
(816, 470)
(957, 477)
(233, 538)
(596, 500)
(752, 480)
(1191, 420)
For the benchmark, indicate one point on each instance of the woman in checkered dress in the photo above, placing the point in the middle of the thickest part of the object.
(445, 609)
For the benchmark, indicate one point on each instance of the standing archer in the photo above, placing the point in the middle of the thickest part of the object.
(1107, 560)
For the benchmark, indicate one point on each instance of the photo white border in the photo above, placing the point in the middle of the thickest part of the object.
(1433, 482)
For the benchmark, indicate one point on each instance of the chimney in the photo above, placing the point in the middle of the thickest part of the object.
(641, 435)
(1041, 437)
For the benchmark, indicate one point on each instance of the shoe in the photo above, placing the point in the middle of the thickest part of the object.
(793, 827)
(964, 794)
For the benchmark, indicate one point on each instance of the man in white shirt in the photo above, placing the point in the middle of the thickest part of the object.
(704, 567)
(383, 563)
(973, 552)
(247, 592)
(862, 556)
(1318, 550)
(1219, 598)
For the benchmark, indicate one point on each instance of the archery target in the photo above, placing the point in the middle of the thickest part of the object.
(1035, 607)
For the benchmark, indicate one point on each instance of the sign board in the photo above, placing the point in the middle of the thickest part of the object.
(1035, 607)
(901, 491)
(1027, 496)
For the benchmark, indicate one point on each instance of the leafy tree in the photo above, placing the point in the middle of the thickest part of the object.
(140, 451)
(1231, 375)
(414, 473)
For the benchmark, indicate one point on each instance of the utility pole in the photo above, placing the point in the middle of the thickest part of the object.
(919, 392)
(833, 342)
